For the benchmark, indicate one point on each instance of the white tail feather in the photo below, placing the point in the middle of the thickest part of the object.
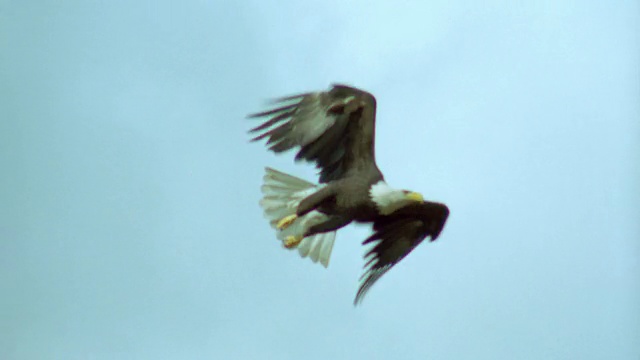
(281, 195)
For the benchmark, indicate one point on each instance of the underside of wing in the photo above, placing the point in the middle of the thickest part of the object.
(396, 235)
(331, 129)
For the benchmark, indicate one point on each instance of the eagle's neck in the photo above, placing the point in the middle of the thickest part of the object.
(386, 198)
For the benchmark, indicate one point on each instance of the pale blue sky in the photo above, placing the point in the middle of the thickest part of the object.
(130, 225)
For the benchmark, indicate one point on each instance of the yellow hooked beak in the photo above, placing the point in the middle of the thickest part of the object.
(414, 196)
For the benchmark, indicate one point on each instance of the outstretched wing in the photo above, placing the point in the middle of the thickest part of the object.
(396, 235)
(334, 129)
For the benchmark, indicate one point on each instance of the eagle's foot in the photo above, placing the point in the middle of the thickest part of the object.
(286, 222)
(292, 241)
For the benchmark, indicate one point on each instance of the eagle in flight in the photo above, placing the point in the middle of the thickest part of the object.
(335, 129)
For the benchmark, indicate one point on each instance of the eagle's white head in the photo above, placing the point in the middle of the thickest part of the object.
(388, 199)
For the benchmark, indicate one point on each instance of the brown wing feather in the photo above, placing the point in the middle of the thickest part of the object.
(396, 235)
(334, 129)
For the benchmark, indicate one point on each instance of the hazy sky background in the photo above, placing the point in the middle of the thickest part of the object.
(129, 217)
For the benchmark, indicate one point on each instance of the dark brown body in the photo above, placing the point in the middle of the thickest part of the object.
(344, 201)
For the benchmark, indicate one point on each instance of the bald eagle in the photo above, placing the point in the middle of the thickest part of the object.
(335, 129)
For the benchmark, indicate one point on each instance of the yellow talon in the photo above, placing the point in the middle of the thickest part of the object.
(286, 221)
(292, 241)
